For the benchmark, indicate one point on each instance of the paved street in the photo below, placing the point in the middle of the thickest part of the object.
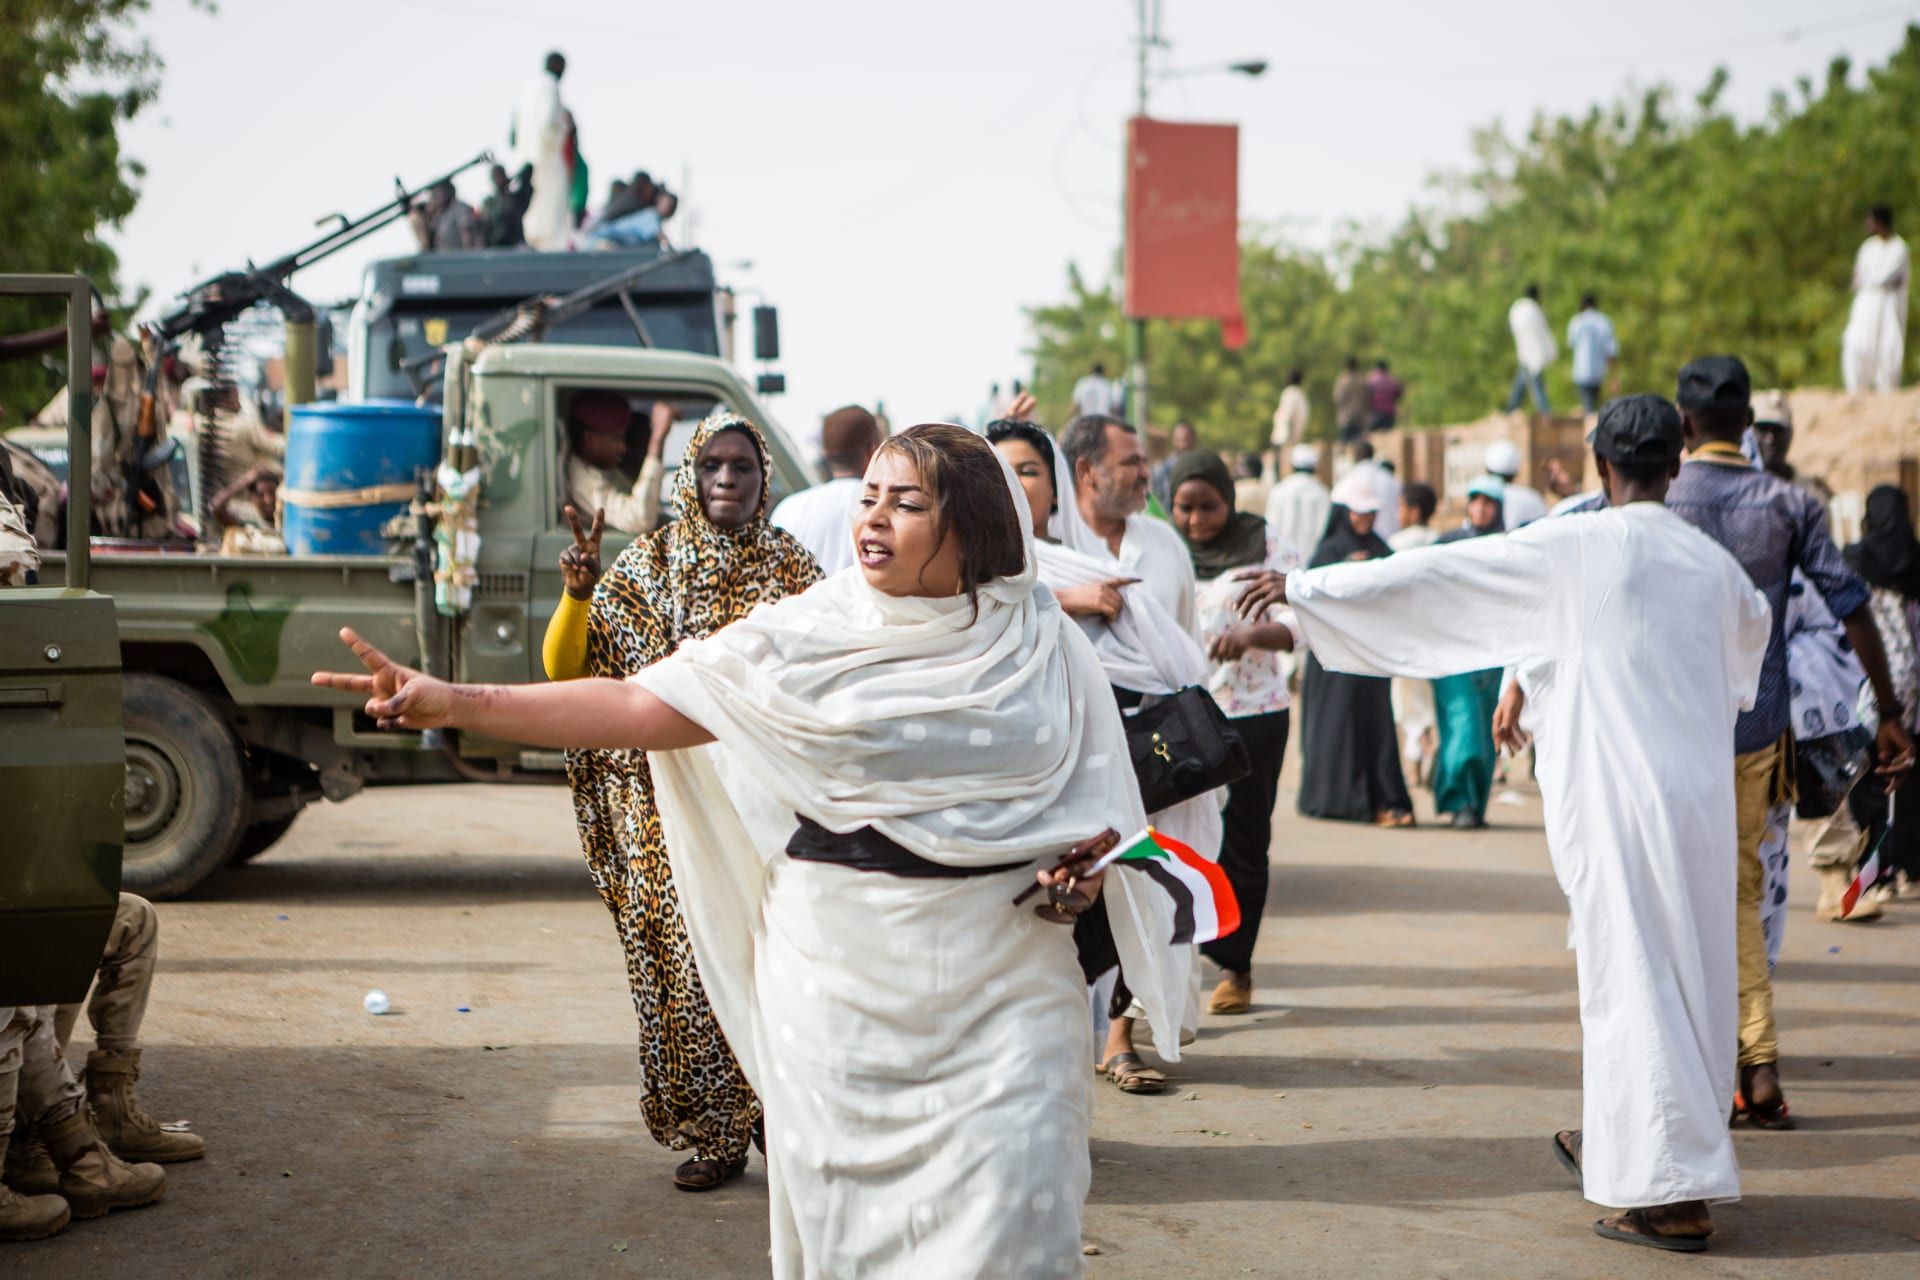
(1385, 1111)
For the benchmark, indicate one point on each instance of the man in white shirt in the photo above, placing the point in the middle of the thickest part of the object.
(1297, 508)
(1291, 417)
(1096, 393)
(822, 517)
(1522, 504)
(1875, 344)
(539, 138)
(1533, 344)
(1110, 476)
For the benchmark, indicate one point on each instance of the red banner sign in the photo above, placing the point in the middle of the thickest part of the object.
(1183, 223)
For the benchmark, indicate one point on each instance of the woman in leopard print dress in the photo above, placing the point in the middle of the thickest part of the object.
(688, 580)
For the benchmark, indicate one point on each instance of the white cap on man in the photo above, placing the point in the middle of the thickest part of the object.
(1503, 459)
(1305, 457)
(1356, 493)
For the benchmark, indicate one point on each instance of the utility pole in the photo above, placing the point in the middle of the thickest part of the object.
(1137, 328)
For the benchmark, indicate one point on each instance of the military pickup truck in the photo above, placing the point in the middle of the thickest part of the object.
(226, 741)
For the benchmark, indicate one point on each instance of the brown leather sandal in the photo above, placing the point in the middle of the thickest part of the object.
(700, 1174)
(1635, 1227)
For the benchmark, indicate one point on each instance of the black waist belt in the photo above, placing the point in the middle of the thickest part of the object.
(868, 850)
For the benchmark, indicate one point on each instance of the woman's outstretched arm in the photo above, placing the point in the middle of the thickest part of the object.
(575, 713)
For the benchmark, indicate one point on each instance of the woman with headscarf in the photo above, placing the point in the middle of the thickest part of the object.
(855, 782)
(1464, 704)
(1350, 756)
(1888, 557)
(1247, 682)
(1146, 654)
(686, 581)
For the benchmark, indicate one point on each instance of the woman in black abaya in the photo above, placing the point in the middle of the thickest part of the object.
(1350, 755)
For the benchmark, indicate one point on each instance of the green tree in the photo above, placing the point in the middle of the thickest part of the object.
(71, 71)
(1699, 232)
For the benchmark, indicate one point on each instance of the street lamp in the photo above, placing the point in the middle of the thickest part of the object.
(1150, 39)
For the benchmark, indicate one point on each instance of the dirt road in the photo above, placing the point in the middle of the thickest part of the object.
(1384, 1111)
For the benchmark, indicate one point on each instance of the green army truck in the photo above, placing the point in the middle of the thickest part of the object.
(226, 741)
(60, 750)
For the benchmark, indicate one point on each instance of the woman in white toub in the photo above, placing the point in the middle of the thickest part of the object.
(895, 754)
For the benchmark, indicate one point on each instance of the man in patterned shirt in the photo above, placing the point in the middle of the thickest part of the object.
(1772, 527)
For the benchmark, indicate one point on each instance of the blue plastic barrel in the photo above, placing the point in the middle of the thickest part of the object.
(350, 469)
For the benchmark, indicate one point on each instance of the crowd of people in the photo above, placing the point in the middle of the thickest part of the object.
(543, 201)
(918, 685)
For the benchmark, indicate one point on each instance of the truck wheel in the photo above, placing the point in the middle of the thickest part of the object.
(259, 838)
(186, 787)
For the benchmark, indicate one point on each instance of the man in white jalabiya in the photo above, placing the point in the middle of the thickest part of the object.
(943, 736)
(1533, 349)
(1108, 520)
(1097, 393)
(1297, 508)
(1874, 346)
(539, 138)
(1637, 639)
(1291, 416)
(821, 516)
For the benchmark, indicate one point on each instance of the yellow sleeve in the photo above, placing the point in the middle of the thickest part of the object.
(565, 649)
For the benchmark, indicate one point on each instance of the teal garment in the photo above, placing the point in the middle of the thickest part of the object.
(1463, 771)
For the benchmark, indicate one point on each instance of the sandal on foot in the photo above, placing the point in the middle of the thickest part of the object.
(1566, 1145)
(704, 1175)
(1130, 1074)
(1230, 998)
(1776, 1115)
(1634, 1227)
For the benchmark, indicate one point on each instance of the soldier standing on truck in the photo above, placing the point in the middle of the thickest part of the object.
(599, 425)
(132, 491)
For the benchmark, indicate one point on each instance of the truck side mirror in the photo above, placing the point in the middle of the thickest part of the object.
(771, 384)
(766, 333)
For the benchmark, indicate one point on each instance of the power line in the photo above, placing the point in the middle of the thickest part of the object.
(1601, 62)
(650, 35)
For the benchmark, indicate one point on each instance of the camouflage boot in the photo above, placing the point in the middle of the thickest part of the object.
(92, 1178)
(128, 1131)
(30, 1217)
(29, 1169)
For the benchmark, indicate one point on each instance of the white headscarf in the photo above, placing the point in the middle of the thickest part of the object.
(969, 741)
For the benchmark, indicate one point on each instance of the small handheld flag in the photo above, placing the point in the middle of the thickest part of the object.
(1204, 907)
(1869, 870)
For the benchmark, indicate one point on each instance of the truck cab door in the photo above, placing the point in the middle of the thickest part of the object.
(62, 754)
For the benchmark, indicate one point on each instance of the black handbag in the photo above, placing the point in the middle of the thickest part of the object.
(1183, 746)
(1826, 769)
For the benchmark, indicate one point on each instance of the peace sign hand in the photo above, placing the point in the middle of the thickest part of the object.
(397, 697)
(580, 563)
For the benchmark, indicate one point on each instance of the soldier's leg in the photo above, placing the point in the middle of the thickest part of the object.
(119, 1003)
(23, 1215)
(120, 993)
(12, 1036)
(92, 1179)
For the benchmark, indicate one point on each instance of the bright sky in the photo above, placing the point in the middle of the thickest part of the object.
(902, 178)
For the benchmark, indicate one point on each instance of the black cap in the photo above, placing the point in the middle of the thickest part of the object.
(1715, 382)
(1642, 429)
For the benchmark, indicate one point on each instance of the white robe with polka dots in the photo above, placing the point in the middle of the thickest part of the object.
(920, 1044)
